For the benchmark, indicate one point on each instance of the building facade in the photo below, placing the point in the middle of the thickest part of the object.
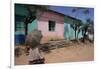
(53, 25)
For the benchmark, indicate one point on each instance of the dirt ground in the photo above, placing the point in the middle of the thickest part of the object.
(76, 52)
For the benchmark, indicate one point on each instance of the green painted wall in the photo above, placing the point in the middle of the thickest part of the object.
(20, 13)
(69, 33)
(21, 10)
(19, 30)
(32, 26)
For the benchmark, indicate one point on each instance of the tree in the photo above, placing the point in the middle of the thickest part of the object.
(76, 23)
(82, 27)
(32, 14)
(85, 28)
(86, 25)
(76, 26)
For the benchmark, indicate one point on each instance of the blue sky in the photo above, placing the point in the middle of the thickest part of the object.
(79, 14)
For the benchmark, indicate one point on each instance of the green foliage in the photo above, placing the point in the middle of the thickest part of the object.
(32, 14)
(76, 27)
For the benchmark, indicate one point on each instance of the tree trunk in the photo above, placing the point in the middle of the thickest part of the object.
(26, 28)
(75, 34)
(78, 33)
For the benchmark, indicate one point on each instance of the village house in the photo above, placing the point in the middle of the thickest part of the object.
(52, 24)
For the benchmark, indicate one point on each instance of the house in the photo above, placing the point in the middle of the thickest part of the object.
(51, 23)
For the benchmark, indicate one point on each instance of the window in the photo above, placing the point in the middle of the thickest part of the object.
(51, 25)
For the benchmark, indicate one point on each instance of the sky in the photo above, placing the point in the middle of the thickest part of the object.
(78, 14)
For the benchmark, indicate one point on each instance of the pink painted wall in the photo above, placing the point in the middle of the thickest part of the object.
(43, 24)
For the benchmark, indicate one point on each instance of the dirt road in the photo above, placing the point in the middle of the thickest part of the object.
(65, 54)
